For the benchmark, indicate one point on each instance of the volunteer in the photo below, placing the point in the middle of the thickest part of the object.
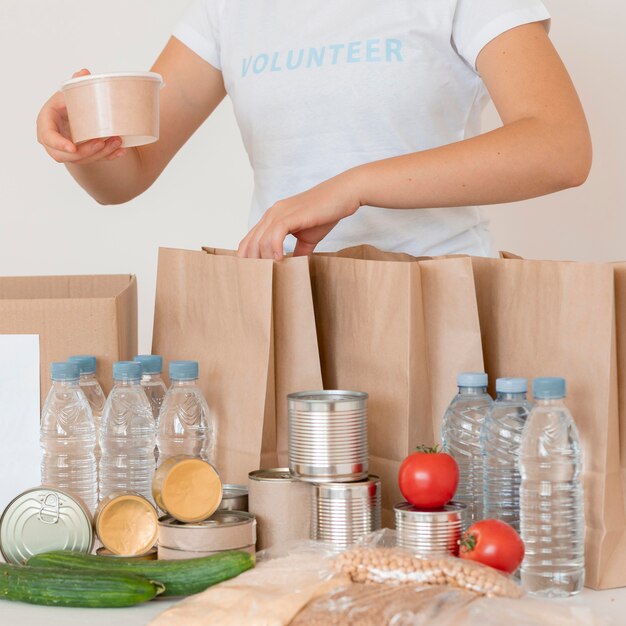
(360, 119)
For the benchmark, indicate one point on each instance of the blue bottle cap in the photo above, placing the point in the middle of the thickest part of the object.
(511, 385)
(547, 388)
(64, 371)
(86, 363)
(151, 363)
(127, 370)
(183, 370)
(472, 379)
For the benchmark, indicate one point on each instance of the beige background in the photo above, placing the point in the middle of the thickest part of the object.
(50, 226)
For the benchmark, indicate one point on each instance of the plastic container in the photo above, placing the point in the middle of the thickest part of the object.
(186, 426)
(460, 435)
(328, 436)
(68, 437)
(153, 385)
(500, 439)
(127, 462)
(124, 104)
(551, 496)
(92, 389)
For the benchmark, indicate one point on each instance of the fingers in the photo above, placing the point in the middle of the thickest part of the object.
(83, 72)
(303, 248)
(265, 240)
(90, 152)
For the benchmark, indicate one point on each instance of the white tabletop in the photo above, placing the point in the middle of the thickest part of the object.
(609, 605)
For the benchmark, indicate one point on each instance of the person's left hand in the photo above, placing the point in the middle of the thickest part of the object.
(308, 216)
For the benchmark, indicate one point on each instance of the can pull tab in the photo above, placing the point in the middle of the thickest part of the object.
(49, 513)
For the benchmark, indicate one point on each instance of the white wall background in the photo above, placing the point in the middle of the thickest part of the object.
(50, 226)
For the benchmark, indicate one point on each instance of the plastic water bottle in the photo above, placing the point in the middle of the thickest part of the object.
(500, 439)
(128, 435)
(92, 389)
(460, 435)
(185, 425)
(68, 437)
(551, 497)
(153, 385)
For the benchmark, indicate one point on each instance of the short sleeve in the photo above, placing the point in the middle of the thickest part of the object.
(199, 30)
(477, 22)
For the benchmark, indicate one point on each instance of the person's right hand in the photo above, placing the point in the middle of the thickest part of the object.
(53, 133)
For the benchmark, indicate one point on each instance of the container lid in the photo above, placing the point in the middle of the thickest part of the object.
(86, 363)
(511, 385)
(220, 518)
(112, 75)
(549, 388)
(472, 379)
(127, 370)
(64, 371)
(190, 489)
(183, 370)
(329, 400)
(126, 524)
(345, 490)
(457, 509)
(151, 363)
(277, 474)
(44, 519)
(234, 491)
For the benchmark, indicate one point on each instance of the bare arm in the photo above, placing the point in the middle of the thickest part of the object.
(112, 175)
(542, 147)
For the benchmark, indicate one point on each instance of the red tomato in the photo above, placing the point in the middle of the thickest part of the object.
(493, 543)
(428, 478)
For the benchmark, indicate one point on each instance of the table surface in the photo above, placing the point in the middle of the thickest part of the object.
(609, 605)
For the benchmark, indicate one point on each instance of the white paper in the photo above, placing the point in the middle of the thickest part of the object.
(20, 454)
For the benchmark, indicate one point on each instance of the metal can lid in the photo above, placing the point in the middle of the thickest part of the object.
(328, 400)
(277, 474)
(188, 488)
(151, 555)
(126, 524)
(454, 508)
(221, 518)
(234, 491)
(44, 519)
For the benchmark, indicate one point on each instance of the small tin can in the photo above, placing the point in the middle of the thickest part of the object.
(433, 533)
(171, 554)
(328, 436)
(234, 498)
(187, 488)
(344, 512)
(224, 530)
(151, 555)
(281, 504)
(44, 519)
(126, 524)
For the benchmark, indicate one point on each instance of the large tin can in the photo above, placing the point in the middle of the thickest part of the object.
(234, 498)
(224, 530)
(344, 512)
(281, 504)
(126, 524)
(44, 519)
(187, 488)
(328, 436)
(433, 533)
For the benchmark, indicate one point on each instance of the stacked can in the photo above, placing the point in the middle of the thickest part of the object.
(430, 533)
(328, 448)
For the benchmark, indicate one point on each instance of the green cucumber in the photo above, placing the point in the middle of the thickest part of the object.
(65, 587)
(180, 578)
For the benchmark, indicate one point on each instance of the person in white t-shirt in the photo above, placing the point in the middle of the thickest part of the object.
(360, 119)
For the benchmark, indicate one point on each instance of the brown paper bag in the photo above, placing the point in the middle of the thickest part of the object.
(400, 329)
(250, 324)
(73, 315)
(548, 318)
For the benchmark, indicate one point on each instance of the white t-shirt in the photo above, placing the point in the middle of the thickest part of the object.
(321, 86)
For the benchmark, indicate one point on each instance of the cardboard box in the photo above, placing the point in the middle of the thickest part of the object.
(73, 315)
